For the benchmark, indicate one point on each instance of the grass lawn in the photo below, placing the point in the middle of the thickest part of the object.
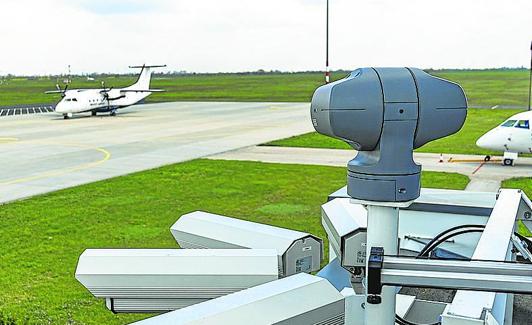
(483, 87)
(524, 183)
(478, 122)
(42, 237)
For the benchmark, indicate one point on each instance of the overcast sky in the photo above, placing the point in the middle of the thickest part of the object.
(44, 36)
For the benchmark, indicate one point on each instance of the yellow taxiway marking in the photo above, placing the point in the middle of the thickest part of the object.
(62, 171)
(8, 139)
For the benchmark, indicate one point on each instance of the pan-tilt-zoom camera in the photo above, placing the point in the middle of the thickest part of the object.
(386, 113)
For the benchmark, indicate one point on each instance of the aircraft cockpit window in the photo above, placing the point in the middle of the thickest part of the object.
(509, 123)
(74, 99)
(68, 99)
(523, 124)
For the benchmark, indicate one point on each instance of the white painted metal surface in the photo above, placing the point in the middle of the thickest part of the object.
(457, 198)
(297, 251)
(132, 278)
(355, 303)
(300, 299)
(456, 274)
(493, 245)
(340, 219)
(383, 225)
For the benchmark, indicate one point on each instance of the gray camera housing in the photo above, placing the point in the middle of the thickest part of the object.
(386, 113)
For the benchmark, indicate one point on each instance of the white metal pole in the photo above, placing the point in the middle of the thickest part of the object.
(382, 232)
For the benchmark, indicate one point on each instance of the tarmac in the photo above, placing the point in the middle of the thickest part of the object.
(484, 176)
(41, 153)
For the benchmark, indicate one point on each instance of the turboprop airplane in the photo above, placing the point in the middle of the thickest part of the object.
(105, 99)
(513, 136)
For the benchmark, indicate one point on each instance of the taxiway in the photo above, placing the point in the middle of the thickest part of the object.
(41, 153)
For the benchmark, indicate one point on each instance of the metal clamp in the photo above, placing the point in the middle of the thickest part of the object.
(375, 263)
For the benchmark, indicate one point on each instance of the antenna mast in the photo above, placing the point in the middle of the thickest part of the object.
(327, 72)
(530, 78)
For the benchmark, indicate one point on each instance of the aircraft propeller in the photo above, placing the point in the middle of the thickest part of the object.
(59, 90)
(105, 93)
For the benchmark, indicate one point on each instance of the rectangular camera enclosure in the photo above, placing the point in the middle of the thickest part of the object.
(300, 299)
(160, 280)
(297, 251)
(346, 227)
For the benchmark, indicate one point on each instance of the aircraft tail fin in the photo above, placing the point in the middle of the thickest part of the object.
(143, 81)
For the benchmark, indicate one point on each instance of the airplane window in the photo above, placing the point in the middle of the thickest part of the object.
(74, 100)
(523, 124)
(509, 123)
(67, 100)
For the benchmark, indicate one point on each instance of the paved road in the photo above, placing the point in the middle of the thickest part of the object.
(484, 176)
(42, 152)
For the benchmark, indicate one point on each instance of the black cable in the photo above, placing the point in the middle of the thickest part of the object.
(402, 321)
(444, 238)
(446, 232)
(438, 240)
(428, 248)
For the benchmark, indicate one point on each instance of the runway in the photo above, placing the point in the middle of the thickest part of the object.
(485, 177)
(42, 152)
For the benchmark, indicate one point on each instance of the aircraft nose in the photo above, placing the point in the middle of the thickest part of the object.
(482, 141)
(489, 140)
(59, 108)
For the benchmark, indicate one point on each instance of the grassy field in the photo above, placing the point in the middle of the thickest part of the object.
(478, 122)
(42, 237)
(523, 183)
(485, 87)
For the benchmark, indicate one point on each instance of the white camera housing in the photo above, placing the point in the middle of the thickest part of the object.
(346, 227)
(299, 299)
(160, 280)
(297, 251)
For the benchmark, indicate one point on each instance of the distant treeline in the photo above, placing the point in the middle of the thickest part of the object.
(257, 72)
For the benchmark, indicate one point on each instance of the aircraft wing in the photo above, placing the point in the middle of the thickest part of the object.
(142, 90)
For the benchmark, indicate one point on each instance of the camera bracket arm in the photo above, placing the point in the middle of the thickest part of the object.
(446, 274)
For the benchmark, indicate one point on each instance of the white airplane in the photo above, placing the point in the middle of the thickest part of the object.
(513, 136)
(105, 99)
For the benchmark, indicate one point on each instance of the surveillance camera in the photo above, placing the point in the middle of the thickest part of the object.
(160, 280)
(346, 228)
(297, 299)
(297, 251)
(386, 113)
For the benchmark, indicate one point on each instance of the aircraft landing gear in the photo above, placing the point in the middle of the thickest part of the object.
(93, 113)
(113, 113)
(487, 158)
(509, 158)
(67, 116)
